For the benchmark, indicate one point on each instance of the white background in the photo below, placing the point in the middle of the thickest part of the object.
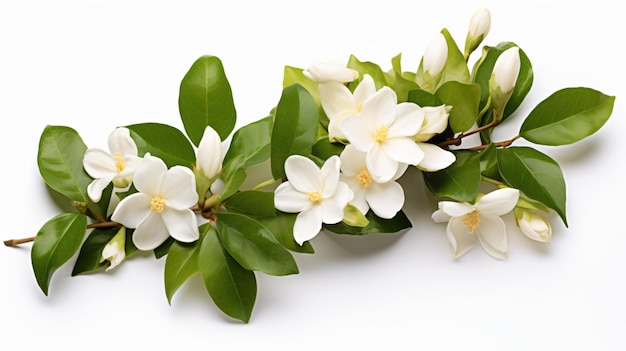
(95, 65)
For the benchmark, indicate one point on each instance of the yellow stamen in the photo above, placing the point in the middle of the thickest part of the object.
(359, 106)
(315, 197)
(381, 134)
(365, 178)
(157, 204)
(471, 221)
(120, 164)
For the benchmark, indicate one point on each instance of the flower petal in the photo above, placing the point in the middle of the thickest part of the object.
(132, 210)
(288, 199)
(358, 200)
(435, 158)
(98, 163)
(181, 224)
(336, 99)
(121, 142)
(403, 150)
(179, 188)
(498, 202)
(131, 163)
(380, 165)
(455, 209)
(365, 89)
(303, 174)
(330, 175)
(460, 239)
(492, 236)
(385, 199)
(149, 176)
(327, 72)
(380, 108)
(357, 133)
(408, 121)
(352, 161)
(332, 207)
(435, 121)
(209, 158)
(440, 216)
(308, 224)
(150, 233)
(95, 188)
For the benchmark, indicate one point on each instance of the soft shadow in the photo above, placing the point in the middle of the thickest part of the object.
(576, 153)
(366, 245)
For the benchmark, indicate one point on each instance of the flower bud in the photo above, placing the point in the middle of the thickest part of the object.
(435, 56)
(325, 72)
(503, 78)
(479, 27)
(114, 251)
(533, 225)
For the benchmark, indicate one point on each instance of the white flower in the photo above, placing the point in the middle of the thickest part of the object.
(161, 207)
(385, 199)
(480, 23)
(482, 220)
(533, 225)
(435, 56)
(117, 166)
(327, 72)
(114, 251)
(338, 103)
(385, 131)
(209, 158)
(505, 71)
(315, 194)
(435, 122)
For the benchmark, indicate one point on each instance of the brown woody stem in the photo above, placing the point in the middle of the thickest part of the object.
(457, 140)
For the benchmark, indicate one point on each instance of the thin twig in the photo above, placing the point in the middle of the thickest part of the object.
(457, 140)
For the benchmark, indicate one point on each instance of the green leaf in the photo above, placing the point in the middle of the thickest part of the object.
(295, 127)
(489, 162)
(324, 149)
(293, 75)
(164, 142)
(181, 264)
(252, 203)
(90, 255)
(252, 142)
(253, 246)
(367, 68)
(56, 242)
(60, 161)
(535, 174)
(376, 225)
(232, 184)
(456, 67)
(567, 116)
(206, 99)
(464, 99)
(460, 180)
(101, 208)
(281, 227)
(164, 248)
(401, 84)
(232, 287)
(482, 73)
(423, 98)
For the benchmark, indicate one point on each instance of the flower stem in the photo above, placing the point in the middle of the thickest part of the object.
(502, 144)
(264, 184)
(457, 140)
(16, 242)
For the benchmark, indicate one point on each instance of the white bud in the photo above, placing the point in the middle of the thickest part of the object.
(325, 72)
(506, 70)
(114, 251)
(435, 56)
(533, 225)
(209, 158)
(480, 23)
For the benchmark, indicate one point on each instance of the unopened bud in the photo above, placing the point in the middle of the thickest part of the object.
(325, 72)
(352, 216)
(533, 225)
(435, 56)
(479, 26)
(503, 79)
(114, 251)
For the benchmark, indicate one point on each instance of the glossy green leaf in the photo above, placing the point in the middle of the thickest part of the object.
(423, 98)
(164, 248)
(253, 245)
(459, 181)
(233, 183)
(252, 142)
(456, 67)
(567, 116)
(181, 264)
(101, 208)
(535, 174)
(206, 99)
(401, 84)
(324, 149)
(252, 203)
(281, 227)
(482, 73)
(366, 68)
(464, 99)
(295, 127)
(293, 75)
(231, 287)
(60, 161)
(56, 242)
(90, 255)
(376, 225)
(489, 163)
(164, 142)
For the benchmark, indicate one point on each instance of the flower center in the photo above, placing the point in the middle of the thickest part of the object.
(365, 178)
(471, 221)
(381, 134)
(315, 197)
(120, 164)
(359, 106)
(157, 204)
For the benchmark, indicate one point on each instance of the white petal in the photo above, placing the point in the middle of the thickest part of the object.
(440, 216)
(492, 236)
(336, 99)
(498, 202)
(149, 176)
(435, 158)
(332, 208)
(121, 142)
(408, 121)
(181, 224)
(403, 150)
(179, 188)
(385, 199)
(288, 199)
(455, 209)
(303, 174)
(131, 163)
(132, 210)
(330, 175)
(98, 163)
(95, 188)
(150, 233)
(308, 224)
(352, 161)
(358, 200)
(324, 72)
(435, 121)
(402, 167)
(460, 239)
(380, 165)
(380, 108)
(209, 158)
(436, 55)
(365, 89)
(358, 133)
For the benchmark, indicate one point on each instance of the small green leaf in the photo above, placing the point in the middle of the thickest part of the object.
(456, 67)
(460, 181)
(252, 203)
(181, 264)
(376, 225)
(295, 127)
(464, 99)
(567, 116)
(90, 255)
(252, 142)
(281, 227)
(56, 242)
(232, 287)
(206, 99)
(253, 246)
(401, 84)
(164, 142)
(60, 161)
(324, 149)
(535, 174)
